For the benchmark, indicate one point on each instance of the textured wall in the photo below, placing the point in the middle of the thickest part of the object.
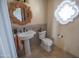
(70, 32)
(38, 8)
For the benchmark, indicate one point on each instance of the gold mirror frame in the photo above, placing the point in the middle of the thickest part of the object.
(26, 13)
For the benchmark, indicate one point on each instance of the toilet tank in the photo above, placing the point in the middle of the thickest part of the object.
(42, 35)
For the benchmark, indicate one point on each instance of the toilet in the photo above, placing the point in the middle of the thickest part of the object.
(46, 43)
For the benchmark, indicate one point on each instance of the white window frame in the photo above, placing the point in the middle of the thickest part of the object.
(60, 18)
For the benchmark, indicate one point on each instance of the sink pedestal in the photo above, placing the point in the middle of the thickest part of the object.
(26, 36)
(27, 47)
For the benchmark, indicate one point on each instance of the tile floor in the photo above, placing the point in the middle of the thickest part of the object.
(38, 52)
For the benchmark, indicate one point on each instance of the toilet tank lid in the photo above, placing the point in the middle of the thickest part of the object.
(42, 32)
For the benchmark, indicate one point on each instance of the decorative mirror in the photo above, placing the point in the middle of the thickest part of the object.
(20, 13)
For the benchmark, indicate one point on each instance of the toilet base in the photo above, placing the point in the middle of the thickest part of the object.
(45, 47)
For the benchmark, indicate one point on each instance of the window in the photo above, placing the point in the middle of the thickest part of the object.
(66, 12)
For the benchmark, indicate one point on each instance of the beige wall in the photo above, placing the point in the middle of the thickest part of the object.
(70, 32)
(51, 22)
(39, 11)
(49, 17)
(9, 1)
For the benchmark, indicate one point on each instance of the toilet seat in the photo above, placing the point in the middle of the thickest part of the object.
(47, 41)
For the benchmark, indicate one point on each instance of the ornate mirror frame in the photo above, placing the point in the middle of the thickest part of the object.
(26, 13)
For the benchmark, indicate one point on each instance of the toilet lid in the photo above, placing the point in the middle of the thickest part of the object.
(47, 41)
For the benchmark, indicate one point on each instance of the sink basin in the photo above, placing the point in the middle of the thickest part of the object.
(26, 36)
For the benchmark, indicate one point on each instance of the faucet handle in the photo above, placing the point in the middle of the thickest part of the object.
(26, 29)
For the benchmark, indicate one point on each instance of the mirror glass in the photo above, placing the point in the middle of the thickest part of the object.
(17, 14)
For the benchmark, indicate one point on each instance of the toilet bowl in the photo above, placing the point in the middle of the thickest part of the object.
(46, 43)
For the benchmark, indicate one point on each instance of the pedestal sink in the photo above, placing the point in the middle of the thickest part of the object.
(26, 36)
